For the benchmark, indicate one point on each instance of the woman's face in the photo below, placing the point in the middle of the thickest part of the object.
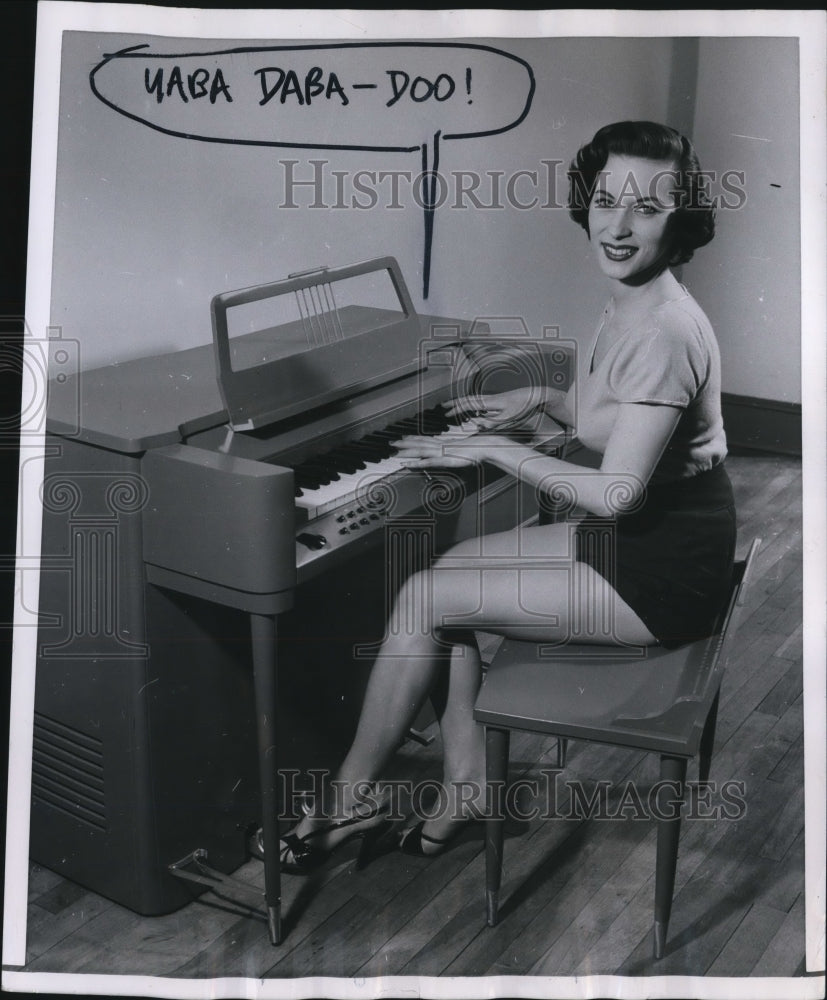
(629, 217)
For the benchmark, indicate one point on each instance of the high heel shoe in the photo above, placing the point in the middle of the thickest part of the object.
(377, 841)
(299, 856)
(412, 841)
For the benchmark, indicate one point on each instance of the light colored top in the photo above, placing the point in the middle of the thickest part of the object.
(671, 358)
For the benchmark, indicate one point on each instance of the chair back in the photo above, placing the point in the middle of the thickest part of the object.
(741, 577)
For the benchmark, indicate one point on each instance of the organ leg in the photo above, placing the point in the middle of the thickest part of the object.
(263, 632)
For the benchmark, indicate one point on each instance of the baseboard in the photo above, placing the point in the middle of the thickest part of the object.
(767, 425)
(751, 424)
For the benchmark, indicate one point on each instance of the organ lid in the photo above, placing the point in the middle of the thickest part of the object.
(134, 405)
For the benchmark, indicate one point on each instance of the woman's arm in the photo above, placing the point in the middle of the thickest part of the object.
(514, 407)
(641, 433)
(557, 404)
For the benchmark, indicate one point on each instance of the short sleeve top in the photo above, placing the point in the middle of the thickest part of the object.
(670, 359)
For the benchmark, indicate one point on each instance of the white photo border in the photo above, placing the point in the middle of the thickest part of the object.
(808, 26)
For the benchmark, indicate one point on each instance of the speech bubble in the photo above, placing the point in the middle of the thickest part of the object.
(394, 97)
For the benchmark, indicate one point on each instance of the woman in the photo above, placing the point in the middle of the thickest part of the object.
(649, 402)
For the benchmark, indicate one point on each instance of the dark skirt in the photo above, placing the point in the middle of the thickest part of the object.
(671, 559)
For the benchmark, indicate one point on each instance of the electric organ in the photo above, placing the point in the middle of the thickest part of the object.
(219, 516)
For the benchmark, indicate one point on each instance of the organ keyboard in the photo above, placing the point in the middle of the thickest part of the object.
(347, 475)
(188, 498)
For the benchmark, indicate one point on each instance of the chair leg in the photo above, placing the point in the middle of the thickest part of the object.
(670, 806)
(707, 741)
(496, 773)
(562, 747)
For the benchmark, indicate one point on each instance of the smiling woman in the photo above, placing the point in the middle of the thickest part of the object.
(652, 557)
(630, 228)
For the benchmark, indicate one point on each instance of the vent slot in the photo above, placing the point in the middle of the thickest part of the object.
(67, 771)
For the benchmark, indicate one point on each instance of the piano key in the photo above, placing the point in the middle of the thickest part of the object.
(348, 466)
(306, 481)
(320, 473)
(353, 456)
(373, 450)
(323, 469)
(433, 422)
(350, 488)
(350, 453)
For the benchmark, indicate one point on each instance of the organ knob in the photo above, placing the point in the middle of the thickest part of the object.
(312, 541)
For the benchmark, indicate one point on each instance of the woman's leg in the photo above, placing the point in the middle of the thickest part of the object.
(407, 665)
(521, 583)
(524, 583)
(463, 775)
(517, 584)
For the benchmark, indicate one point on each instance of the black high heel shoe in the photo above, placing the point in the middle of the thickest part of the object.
(412, 840)
(299, 856)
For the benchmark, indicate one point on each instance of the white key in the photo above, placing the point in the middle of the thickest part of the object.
(349, 487)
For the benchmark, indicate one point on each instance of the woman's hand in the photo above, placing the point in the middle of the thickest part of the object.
(448, 451)
(501, 409)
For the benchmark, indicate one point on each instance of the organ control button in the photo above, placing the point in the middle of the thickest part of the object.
(312, 541)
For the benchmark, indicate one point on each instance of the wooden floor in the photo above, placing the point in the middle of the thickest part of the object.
(577, 894)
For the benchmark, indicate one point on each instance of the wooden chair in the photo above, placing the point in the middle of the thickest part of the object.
(663, 700)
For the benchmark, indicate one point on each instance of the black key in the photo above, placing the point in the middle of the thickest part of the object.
(373, 451)
(305, 481)
(317, 473)
(433, 423)
(325, 468)
(349, 453)
(402, 427)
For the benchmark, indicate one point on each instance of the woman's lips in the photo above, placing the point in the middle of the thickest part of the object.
(617, 253)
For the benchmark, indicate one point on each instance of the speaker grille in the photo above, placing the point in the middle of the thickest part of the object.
(67, 771)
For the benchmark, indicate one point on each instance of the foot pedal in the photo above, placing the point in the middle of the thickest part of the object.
(418, 736)
(204, 874)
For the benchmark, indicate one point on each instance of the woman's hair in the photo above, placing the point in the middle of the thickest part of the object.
(693, 223)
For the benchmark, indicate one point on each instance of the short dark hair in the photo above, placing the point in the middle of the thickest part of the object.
(693, 223)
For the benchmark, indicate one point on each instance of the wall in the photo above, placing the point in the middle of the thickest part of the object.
(748, 279)
(148, 227)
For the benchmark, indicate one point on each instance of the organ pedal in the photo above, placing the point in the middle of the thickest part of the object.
(418, 736)
(215, 880)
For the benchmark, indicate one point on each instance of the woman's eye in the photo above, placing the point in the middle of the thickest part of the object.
(601, 201)
(646, 210)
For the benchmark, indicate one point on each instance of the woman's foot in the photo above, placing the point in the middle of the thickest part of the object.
(463, 804)
(316, 836)
(414, 841)
(327, 828)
